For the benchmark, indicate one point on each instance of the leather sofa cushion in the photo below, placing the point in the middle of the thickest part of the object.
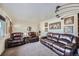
(61, 47)
(59, 44)
(66, 37)
(64, 41)
(47, 41)
(14, 41)
(17, 38)
(48, 37)
(55, 35)
(55, 39)
(58, 47)
(58, 52)
(49, 34)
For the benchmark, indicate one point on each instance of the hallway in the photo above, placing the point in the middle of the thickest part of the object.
(31, 49)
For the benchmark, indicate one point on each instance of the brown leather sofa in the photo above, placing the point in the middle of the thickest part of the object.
(62, 44)
(15, 39)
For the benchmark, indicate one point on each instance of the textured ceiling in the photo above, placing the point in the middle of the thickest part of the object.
(29, 12)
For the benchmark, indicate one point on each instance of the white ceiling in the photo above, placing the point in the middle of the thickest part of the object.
(29, 12)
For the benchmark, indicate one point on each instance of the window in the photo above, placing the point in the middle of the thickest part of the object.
(2, 28)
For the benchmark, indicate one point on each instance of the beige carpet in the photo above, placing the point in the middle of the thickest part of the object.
(31, 49)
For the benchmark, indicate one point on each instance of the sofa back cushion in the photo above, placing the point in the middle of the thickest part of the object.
(49, 35)
(62, 38)
(65, 38)
(53, 36)
(56, 35)
(16, 35)
(32, 34)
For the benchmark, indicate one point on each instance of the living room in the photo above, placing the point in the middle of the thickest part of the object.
(39, 25)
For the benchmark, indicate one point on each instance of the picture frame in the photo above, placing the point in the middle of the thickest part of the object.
(69, 20)
(68, 29)
(56, 25)
(46, 24)
(46, 29)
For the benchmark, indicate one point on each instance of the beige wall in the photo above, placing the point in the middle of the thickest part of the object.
(23, 27)
(6, 35)
(54, 19)
(65, 11)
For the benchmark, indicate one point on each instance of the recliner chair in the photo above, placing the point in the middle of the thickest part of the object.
(15, 39)
(33, 37)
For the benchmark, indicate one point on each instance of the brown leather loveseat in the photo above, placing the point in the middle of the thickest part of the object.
(61, 44)
(33, 37)
(15, 39)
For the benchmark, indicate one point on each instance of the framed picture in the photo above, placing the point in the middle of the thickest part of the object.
(56, 25)
(69, 20)
(46, 29)
(68, 29)
(46, 24)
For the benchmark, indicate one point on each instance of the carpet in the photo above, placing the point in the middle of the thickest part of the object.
(31, 49)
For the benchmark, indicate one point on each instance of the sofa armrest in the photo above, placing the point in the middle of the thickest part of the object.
(70, 49)
(77, 41)
(9, 39)
(70, 45)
